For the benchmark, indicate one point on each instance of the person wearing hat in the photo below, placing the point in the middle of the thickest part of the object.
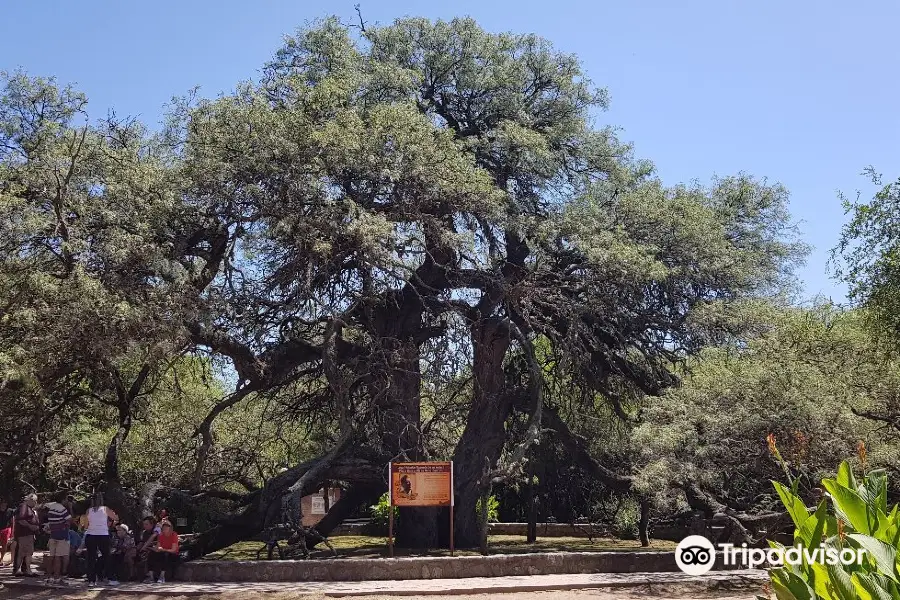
(26, 527)
(121, 555)
(165, 555)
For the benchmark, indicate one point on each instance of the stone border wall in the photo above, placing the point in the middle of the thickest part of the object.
(551, 530)
(381, 569)
(544, 530)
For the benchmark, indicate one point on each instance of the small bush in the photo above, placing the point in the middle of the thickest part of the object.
(855, 515)
(381, 512)
(626, 521)
(493, 509)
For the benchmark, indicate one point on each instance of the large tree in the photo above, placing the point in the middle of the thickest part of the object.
(389, 210)
(383, 189)
(86, 310)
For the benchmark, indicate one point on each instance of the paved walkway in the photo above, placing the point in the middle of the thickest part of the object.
(737, 580)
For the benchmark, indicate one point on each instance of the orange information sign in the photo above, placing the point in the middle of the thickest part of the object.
(422, 484)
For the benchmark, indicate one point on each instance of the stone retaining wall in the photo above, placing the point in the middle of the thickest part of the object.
(543, 530)
(361, 569)
(549, 530)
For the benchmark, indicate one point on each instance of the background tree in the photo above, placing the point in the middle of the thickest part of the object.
(87, 297)
(866, 257)
(805, 379)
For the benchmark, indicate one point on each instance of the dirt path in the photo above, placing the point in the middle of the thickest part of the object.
(573, 595)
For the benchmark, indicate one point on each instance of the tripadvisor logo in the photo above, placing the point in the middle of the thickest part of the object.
(696, 555)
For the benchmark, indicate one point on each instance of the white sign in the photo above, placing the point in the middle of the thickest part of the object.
(318, 505)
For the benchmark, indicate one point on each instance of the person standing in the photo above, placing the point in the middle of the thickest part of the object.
(26, 526)
(59, 521)
(96, 539)
(7, 516)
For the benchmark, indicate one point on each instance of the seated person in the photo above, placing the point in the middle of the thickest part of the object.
(71, 565)
(145, 542)
(121, 555)
(164, 555)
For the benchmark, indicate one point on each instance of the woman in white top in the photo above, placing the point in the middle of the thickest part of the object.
(96, 539)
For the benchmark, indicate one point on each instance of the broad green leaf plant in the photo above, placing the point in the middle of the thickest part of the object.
(853, 515)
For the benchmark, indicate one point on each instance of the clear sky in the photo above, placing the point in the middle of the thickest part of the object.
(804, 93)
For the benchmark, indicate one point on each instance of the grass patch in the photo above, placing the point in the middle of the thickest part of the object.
(360, 546)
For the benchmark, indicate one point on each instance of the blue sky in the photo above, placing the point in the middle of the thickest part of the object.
(804, 93)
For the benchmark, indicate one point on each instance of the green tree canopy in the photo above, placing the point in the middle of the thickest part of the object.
(386, 213)
(810, 380)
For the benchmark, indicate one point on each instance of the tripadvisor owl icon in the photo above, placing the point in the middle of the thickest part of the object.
(695, 555)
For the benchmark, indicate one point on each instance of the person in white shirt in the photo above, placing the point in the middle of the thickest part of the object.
(96, 539)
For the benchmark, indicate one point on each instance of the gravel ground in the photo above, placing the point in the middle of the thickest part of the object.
(574, 595)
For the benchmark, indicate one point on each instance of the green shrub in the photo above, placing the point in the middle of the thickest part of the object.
(380, 512)
(854, 515)
(493, 509)
(626, 520)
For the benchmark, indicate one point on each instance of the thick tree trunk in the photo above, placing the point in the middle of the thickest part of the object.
(482, 440)
(644, 524)
(397, 324)
(416, 527)
(114, 493)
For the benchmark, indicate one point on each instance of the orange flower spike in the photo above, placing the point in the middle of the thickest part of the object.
(862, 453)
(842, 535)
(773, 448)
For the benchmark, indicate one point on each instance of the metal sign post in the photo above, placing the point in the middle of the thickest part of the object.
(390, 512)
(452, 502)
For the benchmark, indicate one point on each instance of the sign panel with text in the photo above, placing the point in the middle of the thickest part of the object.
(422, 484)
(419, 484)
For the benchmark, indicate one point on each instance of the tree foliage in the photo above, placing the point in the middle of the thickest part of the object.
(810, 380)
(866, 258)
(409, 242)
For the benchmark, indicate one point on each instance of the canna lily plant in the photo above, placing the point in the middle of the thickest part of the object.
(854, 515)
